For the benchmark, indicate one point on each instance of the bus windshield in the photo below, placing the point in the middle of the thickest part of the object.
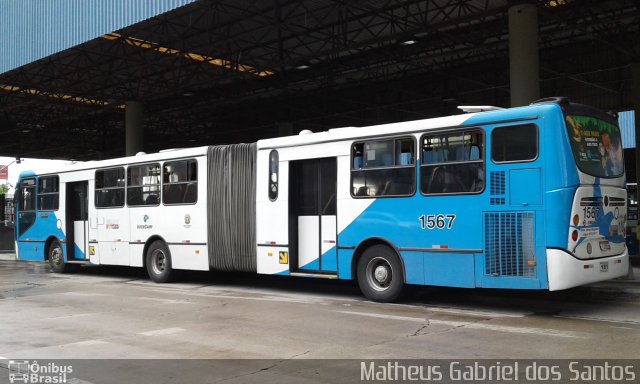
(596, 145)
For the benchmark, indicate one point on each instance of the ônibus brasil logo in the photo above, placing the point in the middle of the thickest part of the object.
(23, 371)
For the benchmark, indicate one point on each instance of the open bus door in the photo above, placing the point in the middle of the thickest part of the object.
(313, 219)
(76, 218)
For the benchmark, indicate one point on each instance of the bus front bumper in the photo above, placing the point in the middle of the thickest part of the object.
(566, 271)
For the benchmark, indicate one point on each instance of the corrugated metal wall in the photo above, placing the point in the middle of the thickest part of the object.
(33, 29)
(627, 128)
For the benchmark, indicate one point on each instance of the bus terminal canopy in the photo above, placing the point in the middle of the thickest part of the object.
(215, 72)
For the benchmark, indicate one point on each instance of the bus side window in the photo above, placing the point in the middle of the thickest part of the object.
(143, 185)
(28, 195)
(180, 182)
(514, 143)
(48, 193)
(452, 163)
(109, 192)
(383, 168)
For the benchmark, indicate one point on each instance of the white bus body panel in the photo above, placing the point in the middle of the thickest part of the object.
(182, 227)
(81, 230)
(117, 236)
(329, 235)
(348, 208)
(272, 218)
(308, 240)
(565, 271)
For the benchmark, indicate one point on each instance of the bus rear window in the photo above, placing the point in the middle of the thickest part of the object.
(596, 146)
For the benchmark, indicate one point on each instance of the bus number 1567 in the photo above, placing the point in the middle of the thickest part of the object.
(440, 221)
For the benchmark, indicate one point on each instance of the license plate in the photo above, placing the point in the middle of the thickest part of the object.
(604, 266)
(605, 246)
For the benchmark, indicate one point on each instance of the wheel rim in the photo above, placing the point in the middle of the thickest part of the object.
(379, 274)
(158, 261)
(56, 255)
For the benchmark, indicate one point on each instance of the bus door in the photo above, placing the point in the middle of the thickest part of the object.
(76, 219)
(312, 209)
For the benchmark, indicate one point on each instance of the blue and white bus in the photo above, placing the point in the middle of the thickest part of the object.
(523, 198)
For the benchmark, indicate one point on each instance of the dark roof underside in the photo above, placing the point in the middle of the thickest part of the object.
(228, 71)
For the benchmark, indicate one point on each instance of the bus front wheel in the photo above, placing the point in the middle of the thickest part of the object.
(380, 274)
(159, 262)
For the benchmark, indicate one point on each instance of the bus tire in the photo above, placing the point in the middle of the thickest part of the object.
(56, 257)
(158, 261)
(380, 275)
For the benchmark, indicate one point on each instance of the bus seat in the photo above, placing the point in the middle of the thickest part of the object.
(462, 153)
(134, 197)
(427, 157)
(436, 182)
(362, 191)
(475, 153)
(396, 189)
(357, 162)
(191, 194)
(387, 160)
(406, 158)
(151, 200)
(440, 156)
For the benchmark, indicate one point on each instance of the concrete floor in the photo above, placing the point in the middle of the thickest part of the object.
(117, 313)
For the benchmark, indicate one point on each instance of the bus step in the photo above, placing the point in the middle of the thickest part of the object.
(78, 262)
(316, 275)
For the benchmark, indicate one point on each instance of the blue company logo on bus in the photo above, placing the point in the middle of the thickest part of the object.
(145, 226)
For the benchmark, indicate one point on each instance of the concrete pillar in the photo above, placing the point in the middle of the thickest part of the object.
(524, 65)
(134, 127)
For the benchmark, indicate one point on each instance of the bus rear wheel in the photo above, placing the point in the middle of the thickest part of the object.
(56, 257)
(380, 274)
(158, 260)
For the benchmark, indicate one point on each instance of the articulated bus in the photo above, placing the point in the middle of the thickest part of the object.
(523, 198)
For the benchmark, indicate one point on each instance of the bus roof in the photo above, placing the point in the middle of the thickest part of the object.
(167, 154)
(407, 127)
(332, 135)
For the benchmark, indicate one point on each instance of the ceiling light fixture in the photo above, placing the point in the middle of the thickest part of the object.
(555, 3)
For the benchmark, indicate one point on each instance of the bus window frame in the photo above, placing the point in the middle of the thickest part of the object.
(124, 202)
(162, 183)
(517, 161)
(38, 194)
(483, 161)
(274, 169)
(35, 194)
(142, 185)
(385, 138)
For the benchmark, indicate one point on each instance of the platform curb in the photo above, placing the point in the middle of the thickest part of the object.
(7, 256)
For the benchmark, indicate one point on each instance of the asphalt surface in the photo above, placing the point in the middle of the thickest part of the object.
(118, 313)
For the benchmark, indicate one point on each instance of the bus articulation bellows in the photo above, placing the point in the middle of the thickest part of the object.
(522, 198)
